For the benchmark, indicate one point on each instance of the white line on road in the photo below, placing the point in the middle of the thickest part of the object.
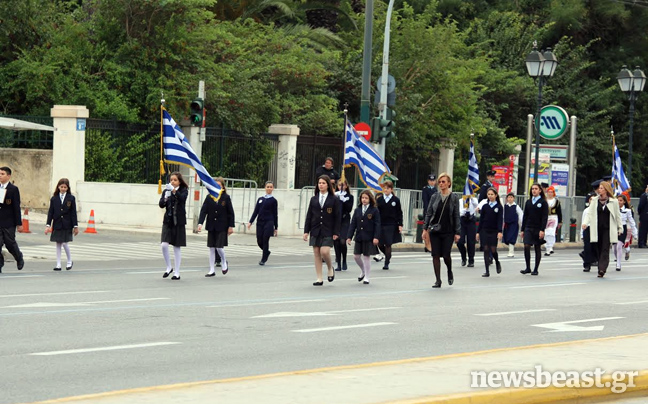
(159, 272)
(343, 327)
(21, 276)
(267, 303)
(73, 304)
(106, 348)
(546, 285)
(639, 302)
(568, 326)
(320, 313)
(58, 293)
(378, 277)
(503, 313)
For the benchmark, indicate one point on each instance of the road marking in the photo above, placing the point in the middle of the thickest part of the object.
(320, 313)
(20, 276)
(343, 327)
(547, 285)
(58, 293)
(503, 313)
(160, 271)
(106, 348)
(77, 304)
(377, 277)
(267, 303)
(639, 302)
(565, 326)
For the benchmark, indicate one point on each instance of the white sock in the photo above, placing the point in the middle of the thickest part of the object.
(511, 249)
(221, 252)
(367, 266)
(212, 258)
(66, 247)
(58, 255)
(165, 254)
(177, 258)
(619, 253)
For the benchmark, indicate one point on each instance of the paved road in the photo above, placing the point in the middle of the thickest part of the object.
(115, 323)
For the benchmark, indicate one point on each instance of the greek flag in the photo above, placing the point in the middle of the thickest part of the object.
(358, 152)
(472, 179)
(619, 179)
(177, 150)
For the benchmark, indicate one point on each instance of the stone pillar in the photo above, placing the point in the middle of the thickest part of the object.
(446, 157)
(68, 156)
(286, 154)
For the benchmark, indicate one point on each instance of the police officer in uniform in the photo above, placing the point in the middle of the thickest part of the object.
(428, 191)
(10, 218)
(490, 177)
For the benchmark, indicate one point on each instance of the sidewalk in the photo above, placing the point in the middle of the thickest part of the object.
(443, 379)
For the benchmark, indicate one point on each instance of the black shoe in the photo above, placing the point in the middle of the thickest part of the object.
(450, 277)
(318, 283)
(218, 264)
(471, 265)
(261, 262)
(365, 282)
(463, 263)
(437, 284)
(534, 273)
(547, 254)
(595, 264)
(344, 266)
(378, 259)
(166, 274)
(0, 270)
(209, 275)
(226, 270)
(601, 274)
(360, 278)
(618, 269)
(525, 271)
(627, 255)
(331, 278)
(69, 266)
(490, 261)
(20, 264)
(580, 254)
(485, 274)
(339, 267)
(175, 278)
(587, 269)
(57, 269)
(386, 267)
(427, 251)
(499, 267)
(551, 252)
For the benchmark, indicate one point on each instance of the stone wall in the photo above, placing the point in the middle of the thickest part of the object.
(31, 173)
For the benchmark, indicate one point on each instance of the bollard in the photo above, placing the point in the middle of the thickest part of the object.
(572, 230)
(419, 229)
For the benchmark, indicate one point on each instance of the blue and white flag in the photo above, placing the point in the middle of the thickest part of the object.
(472, 179)
(358, 152)
(177, 150)
(619, 179)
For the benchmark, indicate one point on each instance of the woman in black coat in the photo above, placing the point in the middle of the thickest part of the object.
(220, 224)
(173, 201)
(391, 221)
(62, 221)
(268, 220)
(442, 226)
(323, 226)
(346, 200)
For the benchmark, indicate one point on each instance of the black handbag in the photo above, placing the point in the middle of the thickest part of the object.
(436, 227)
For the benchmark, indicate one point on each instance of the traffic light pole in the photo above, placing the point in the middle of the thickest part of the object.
(382, 106)
(366, 65)
(196, 144)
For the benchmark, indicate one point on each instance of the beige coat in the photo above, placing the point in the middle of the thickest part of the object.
(591, 219)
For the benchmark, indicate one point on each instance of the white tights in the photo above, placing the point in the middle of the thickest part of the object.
(364, 262)
(177, 258)
(212, 258)
(66, 247)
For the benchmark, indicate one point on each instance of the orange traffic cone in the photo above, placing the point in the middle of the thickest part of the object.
(25, 222)
(91, 224)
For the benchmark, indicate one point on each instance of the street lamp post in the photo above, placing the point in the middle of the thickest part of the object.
(540, 66)
(631, 83)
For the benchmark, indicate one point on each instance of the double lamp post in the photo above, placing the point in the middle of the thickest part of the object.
(631, 83)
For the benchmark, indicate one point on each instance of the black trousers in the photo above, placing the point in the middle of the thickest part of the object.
(590, 250)
(8, 238)
(264, 231)
(468, 236)
(643, 232)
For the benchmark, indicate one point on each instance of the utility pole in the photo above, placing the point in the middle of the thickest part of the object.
(366, 64)
(196, 140)
(382, 106)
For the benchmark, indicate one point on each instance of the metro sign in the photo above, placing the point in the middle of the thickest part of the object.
(554, 122)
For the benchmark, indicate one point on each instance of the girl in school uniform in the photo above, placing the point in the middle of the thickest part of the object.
(346, 199)
(554, 220)
(265, 211)
(489, 231)
(628, 222)
(323, 226)
(366, 225)
(220, 225)
(173, 201)
(62, 221)
(534, 222)
(391, 220)
(512, 221)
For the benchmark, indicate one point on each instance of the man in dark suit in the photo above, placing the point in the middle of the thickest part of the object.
(643, 218)
(490, 177)
(428, 191)
(10, 218)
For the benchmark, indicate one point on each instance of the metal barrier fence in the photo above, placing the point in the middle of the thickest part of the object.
(28, 139)
(243, 194)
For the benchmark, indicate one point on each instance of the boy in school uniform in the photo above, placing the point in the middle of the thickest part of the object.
(10, 218)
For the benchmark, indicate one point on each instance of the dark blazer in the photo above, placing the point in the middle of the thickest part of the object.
(219, 215)
(390, 213)
(10, 208)
(367, 225)
(62, 216)
(427, 193)
(643, 207)
(453, 205)
(176, 213)
(266, 210)
(323, 221)
(347, 207)
(489, 219)
(535, 215)
(483, 190)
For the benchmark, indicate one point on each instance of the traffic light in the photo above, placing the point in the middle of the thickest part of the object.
(197, 112)
(383, 128)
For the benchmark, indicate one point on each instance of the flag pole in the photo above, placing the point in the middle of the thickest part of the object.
(346, 120)
(161, 144)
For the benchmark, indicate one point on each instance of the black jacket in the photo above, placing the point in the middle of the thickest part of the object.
(643, 207)
(62, 216)
(490, 219)
(266, 211)
(321, 170)
(390, 213)
(535, 215)
(483, 190)
(453, 206)
(176, 213)
(10, 208)
(219, 215)
(323, 221)
(367, 226)
(427, 193)
(347, 207)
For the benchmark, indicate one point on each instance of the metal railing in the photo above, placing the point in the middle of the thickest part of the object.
(244, 196)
